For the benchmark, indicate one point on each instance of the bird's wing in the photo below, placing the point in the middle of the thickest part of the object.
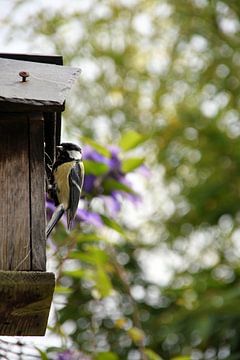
(75, 185)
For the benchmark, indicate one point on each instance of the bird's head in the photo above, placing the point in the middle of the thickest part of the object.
(69, 151)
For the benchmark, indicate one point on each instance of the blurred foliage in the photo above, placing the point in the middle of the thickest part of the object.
(168, 71)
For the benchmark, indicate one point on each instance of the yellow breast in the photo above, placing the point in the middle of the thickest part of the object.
(62, 183)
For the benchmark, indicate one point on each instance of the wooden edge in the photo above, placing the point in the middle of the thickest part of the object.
(37, 191)
(26, 298)
(47, 59)
(9, 106)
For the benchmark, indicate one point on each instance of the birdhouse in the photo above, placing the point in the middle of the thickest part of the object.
(32, 96)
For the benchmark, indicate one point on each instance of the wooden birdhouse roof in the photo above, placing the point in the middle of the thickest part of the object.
(45, 89)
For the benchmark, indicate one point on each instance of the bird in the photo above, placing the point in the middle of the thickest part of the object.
(66, 182)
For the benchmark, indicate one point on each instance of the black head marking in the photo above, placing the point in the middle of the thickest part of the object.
(70, 146)
(68, 152)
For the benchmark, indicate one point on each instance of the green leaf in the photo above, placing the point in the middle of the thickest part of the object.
(131, 164)
(77, 274)
(103, 283)
(42, 354)
(93, 255)
(136, 334)
(112, 184)
(106, 356)
(95, 168)
(112, 224)
(181, 358)
(131, 139)
(88, 237)
(62, 290)
(151, 355)
(99, 148)
(55, 349)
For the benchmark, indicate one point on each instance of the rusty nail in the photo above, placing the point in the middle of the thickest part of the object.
(24, 75)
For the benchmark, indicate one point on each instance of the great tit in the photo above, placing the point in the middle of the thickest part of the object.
(66, 183)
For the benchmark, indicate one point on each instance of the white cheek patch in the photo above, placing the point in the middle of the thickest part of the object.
(74, 154)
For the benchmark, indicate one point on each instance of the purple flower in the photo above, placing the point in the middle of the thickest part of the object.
(134, 198)
(91, 154)
(114, 150)
(89, 217)
(88, 184)
(112, 203)
(92, 183)
(125, 181)
(65, 355)
(114, 162)
(72, 355)
(144, 171)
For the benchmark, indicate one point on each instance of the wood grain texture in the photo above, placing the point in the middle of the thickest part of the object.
(25, 302)
(14, 193)
(37, 192)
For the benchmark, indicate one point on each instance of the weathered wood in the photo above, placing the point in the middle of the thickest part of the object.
(53, 129)
(37, 192)
(15, 252)
(45, 89)
(30, 115)
(25, 302)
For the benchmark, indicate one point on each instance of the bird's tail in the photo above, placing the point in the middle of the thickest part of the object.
(56, 216)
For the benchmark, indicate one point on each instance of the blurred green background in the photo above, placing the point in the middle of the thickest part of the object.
(170, 71)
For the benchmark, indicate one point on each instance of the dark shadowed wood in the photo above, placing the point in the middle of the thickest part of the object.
(50, 125)
(47, 59)
(14, 193)
(45, 89)
(37, 192)
(25, 302)
(58, 128)
(10, 106)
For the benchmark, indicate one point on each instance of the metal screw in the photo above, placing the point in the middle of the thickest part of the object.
(24, 75)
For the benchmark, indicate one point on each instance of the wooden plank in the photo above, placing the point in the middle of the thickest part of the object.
(37, 192)
(25, 302)
(47, 86)
(46, 59)
(14, 193)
